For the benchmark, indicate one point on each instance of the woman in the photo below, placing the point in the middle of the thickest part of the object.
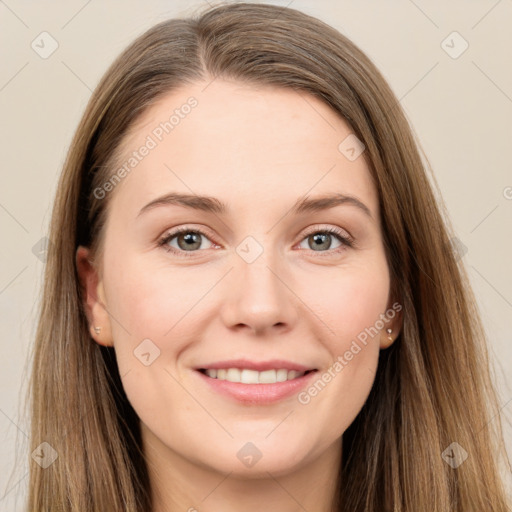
(251, 299)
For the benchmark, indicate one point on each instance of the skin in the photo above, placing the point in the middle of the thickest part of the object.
(258, 149)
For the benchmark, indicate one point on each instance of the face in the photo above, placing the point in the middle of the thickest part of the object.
(261, 285)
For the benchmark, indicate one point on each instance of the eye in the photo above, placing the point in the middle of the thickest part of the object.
(187, 240)
(320, 240)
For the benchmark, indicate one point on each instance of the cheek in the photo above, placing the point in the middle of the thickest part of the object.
(359, 305)
(160, 313)
(153, 308)
(153, 301)
(348, 300)
(352, 304)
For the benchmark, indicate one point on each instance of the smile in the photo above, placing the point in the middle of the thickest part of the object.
(255, 383)
(247, 376)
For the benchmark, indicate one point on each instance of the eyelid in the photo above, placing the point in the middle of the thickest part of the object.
(319, 228)
(173, 232)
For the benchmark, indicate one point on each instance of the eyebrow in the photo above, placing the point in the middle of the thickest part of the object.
(214, 205)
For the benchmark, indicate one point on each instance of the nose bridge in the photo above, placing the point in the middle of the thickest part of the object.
(257, 296)
(258, 277)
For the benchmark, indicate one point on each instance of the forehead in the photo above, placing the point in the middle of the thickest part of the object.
(245, 144)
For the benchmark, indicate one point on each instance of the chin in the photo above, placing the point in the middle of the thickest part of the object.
(255, 459)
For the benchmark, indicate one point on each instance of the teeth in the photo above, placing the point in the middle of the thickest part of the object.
(267, 377)
(246, 376)
(233, 375)
(281, 375)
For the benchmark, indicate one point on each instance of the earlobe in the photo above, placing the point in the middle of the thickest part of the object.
(387, 338)
(391, 331)
(93, 298)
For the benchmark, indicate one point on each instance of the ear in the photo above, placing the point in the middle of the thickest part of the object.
(93, 297)
(394, 316)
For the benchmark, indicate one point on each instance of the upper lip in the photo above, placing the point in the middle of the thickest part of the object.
(260, 366)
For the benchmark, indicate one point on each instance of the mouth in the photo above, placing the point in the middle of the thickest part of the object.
(255, 387)
(250, 382)
(249, 376)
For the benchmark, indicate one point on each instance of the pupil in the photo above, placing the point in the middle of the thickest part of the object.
(189, 240)
(322, 239)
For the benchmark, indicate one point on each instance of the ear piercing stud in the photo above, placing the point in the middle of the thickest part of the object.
(389, 331)
(97, 330)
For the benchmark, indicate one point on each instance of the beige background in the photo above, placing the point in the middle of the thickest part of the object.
(460, 108)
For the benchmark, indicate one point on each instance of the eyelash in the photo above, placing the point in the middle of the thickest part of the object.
(346, 240)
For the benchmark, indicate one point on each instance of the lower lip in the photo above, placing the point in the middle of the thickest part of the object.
(258, 393)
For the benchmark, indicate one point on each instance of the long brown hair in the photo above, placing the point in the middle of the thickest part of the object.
(433, 385)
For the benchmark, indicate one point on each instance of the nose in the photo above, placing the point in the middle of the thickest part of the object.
(258, 299)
